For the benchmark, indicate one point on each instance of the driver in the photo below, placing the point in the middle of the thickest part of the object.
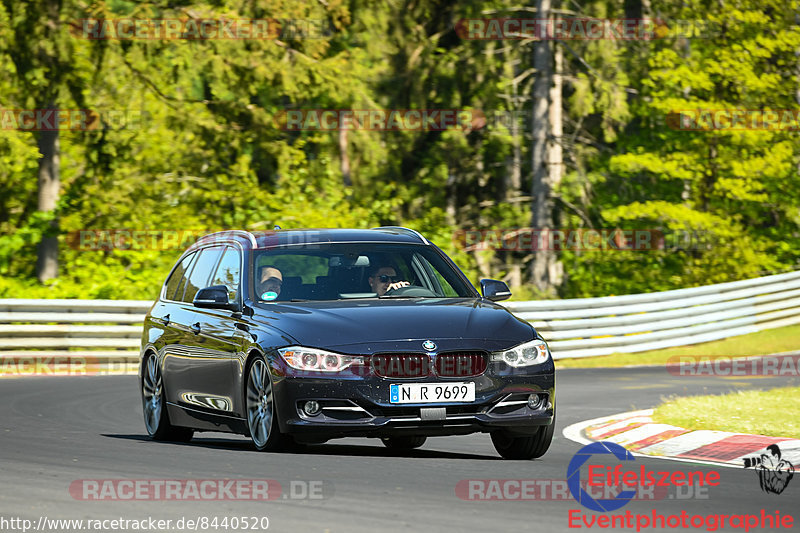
(384, 279)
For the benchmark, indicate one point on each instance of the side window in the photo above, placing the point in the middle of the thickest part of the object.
(201, 272)
(447, 289)
(171, 286)
(431, 278)
(408, 271)
(228, 273)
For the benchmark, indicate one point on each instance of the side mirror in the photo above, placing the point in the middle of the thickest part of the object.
(214, 297)
(495, 290)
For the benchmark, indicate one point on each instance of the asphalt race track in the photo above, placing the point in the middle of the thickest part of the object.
(55, 431)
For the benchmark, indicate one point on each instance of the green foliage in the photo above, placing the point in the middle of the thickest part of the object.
(202, 146)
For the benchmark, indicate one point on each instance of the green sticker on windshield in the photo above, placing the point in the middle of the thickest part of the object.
(269, 295)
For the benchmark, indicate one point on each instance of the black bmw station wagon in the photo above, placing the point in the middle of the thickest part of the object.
(300, 336)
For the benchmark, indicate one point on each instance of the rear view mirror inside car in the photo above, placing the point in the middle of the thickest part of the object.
(348, 261)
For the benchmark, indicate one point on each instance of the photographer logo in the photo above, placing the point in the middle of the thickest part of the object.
(774, 473)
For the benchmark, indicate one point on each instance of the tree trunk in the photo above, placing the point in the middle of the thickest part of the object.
(555, 157)
(344, 158)
(514, 276)
(49, 179)
(633, 9)
(49, 188)
(516, 161)
(541, 189)
(511, 182)
(555, 150)
(452, 197)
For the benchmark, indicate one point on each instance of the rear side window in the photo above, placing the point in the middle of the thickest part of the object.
(177, 276)
(201, 272)
(228, 273)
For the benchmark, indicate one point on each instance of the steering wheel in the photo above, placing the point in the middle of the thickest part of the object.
(411, 290)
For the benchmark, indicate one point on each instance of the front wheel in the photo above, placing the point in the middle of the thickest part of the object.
(156, 419)
(260, 404)
(525, 446)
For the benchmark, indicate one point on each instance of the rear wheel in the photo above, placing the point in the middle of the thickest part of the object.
(156, 419)
(404, 443)
(260, 404)
(526, 446)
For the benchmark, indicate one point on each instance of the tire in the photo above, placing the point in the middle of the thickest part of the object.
(156, 418)
(524, 447)
(404, 443)
(262, 417)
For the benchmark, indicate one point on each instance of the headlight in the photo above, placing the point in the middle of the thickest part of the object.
(534, 352)
(317, 360)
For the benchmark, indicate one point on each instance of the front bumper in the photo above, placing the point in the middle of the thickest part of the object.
(360, 407)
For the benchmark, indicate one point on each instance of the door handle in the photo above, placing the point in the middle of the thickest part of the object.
(196, 328)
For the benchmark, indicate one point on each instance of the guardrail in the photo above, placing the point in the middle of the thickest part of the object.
(582, 327)
(587, 327)
(70, 331)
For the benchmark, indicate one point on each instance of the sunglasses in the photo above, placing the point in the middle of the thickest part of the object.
(386, 279)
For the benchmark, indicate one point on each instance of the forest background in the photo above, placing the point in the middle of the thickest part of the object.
(568, 133)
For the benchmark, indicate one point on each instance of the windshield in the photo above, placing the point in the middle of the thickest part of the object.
(341, 271)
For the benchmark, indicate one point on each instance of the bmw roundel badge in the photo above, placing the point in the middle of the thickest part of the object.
(429, 345)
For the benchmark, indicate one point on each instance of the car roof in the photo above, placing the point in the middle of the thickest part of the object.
(284, 237)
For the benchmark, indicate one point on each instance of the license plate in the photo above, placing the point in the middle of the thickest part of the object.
(432, 392)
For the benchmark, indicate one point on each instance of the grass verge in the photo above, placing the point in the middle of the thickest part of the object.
(766, 342)
(771, 412)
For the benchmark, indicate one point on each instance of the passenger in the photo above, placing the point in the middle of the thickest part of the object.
(270, 282)
(384, 279)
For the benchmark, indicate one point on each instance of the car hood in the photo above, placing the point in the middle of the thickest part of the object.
(374, 325)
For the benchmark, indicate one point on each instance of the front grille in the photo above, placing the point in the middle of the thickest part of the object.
(461, 364)
(413, 365)
(409, 365)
